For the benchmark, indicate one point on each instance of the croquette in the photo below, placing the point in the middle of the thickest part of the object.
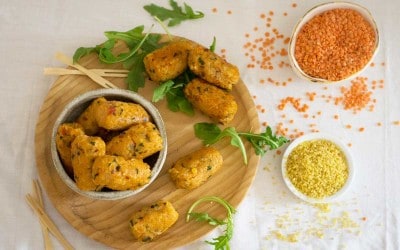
(84, 150)
(117, 173)
(152, 220)
(214, 102)
(88, 118)
(139, 141)
(66, 134)
(169, 61)
(194, 169)
(212, 68)
(117, 115)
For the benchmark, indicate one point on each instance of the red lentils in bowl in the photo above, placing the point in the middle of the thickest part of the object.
(333, 42)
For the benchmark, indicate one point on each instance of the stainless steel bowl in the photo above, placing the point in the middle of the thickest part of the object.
(76, 107)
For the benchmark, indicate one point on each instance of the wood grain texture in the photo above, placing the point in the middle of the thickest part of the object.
(107, 221)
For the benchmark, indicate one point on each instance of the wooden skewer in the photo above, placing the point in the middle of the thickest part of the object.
(38, 195)
(48, 222)
(95, 77)
(100, 72)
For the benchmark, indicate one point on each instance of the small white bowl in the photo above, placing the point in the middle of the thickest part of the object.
(76, 107)
(318, 136)
(316, 10)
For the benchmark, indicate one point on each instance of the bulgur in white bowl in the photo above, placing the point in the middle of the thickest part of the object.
(317, 168)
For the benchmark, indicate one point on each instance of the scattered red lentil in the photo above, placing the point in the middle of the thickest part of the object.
(229, 12)
(214, 10)
(335, 50)
(336, 117)
(295, 103)
(356, 97)
(379, 124)
(396, 123)
(361, 129)
(294, 5)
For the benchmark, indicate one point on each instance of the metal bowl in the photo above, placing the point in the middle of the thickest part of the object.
(76, 107)
(316, 10)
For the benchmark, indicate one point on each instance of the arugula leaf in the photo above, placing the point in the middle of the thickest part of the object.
(139, 45)
(106, 55)
(262, 140)
(83, 51)
(213, 45)
(210, 133)
(162, 90)
(177, 101)
(221, 242)
(207, 218)
(175, 15)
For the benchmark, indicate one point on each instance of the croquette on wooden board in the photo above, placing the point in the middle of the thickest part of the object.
(108, 221)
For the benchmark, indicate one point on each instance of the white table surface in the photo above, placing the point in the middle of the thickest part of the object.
(32, 31)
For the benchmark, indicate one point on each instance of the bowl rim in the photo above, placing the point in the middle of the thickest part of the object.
(317, 9)
(112, 94)
(319, 136)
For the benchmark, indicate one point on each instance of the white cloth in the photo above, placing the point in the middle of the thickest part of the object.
(32, 31)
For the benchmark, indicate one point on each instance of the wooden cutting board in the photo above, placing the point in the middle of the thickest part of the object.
(107, 221)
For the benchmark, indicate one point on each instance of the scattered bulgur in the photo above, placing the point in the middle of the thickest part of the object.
(317, 168)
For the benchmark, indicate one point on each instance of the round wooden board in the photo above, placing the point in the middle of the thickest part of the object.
(107, 221)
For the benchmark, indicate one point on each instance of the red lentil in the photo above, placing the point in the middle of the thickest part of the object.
(356, 97)
(335, 50)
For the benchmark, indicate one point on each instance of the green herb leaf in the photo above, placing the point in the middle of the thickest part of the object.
(107, 56)
(160, 92)
(261, 141)
(83, 51)
(210, 133)
(205, 217)
(177, 101)
(139, 45)
(175, 15)
(221, 242)
(213, 45)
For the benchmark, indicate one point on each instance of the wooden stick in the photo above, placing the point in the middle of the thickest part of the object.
(38, 195)
(95, 77)
(48, 222)
(100, 72)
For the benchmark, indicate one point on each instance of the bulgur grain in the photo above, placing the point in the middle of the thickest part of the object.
(317, 168)
(334, 50)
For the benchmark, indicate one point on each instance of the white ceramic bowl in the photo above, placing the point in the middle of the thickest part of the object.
(318, 136)
(77, 106)
(316, 11)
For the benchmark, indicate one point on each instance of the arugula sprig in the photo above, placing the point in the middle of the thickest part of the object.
(210, 133)
(139, 45)
(175, 97)
(175, 15)
(221, 242)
